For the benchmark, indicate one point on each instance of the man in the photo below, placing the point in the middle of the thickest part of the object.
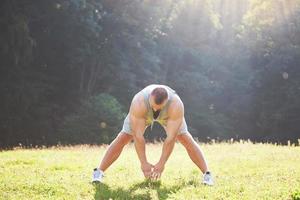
(157, 103)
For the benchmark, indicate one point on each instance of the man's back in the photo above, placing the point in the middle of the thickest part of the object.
(142, 98)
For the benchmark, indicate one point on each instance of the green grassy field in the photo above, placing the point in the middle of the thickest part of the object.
(241, 171)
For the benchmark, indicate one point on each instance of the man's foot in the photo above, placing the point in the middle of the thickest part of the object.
(208, 179)
(97, 176)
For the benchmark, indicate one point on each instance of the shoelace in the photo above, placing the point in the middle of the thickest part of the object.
(207, 177)
(97, 174)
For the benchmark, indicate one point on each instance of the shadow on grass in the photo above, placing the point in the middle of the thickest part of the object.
(139, 191)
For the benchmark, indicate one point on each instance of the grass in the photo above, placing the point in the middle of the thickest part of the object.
(241, 170)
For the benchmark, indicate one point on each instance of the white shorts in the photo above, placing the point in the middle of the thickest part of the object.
(127, 127)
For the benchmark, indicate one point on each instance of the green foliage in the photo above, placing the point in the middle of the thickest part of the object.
(240, 57)
(97, 120)
(212, 125)
(296, 195)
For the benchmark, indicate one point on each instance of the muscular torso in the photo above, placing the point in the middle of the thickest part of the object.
(141, 100)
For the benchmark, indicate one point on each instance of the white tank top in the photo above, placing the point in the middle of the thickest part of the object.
(163, 115)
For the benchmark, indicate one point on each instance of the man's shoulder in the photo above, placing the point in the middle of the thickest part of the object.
(138, 104)
(176, 105)
(176, 100)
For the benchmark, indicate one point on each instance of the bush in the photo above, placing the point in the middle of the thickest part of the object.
(97, 120)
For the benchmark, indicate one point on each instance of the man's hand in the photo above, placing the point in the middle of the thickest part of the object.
(157, 171)
(147, 169)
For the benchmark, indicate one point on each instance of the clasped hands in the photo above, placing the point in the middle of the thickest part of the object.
(152, 171)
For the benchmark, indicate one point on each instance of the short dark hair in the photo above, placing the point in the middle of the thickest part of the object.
(160, 95)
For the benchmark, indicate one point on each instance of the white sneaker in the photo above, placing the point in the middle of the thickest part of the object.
(208, 179)
(97, 176)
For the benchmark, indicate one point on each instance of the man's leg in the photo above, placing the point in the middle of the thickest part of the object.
(193, 150)
(114, 150)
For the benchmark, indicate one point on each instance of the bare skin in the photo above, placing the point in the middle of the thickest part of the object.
(137, 114)
(193, 150)
(114, 150)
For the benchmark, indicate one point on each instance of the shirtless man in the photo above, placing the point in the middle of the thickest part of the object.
(155, 103)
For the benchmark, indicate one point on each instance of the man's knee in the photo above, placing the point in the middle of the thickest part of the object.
(124, 138)
(184, 138)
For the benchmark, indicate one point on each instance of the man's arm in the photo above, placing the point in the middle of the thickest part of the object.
(137, 122)
(173, 124)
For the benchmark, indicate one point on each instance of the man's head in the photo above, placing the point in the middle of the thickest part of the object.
(158, 98)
